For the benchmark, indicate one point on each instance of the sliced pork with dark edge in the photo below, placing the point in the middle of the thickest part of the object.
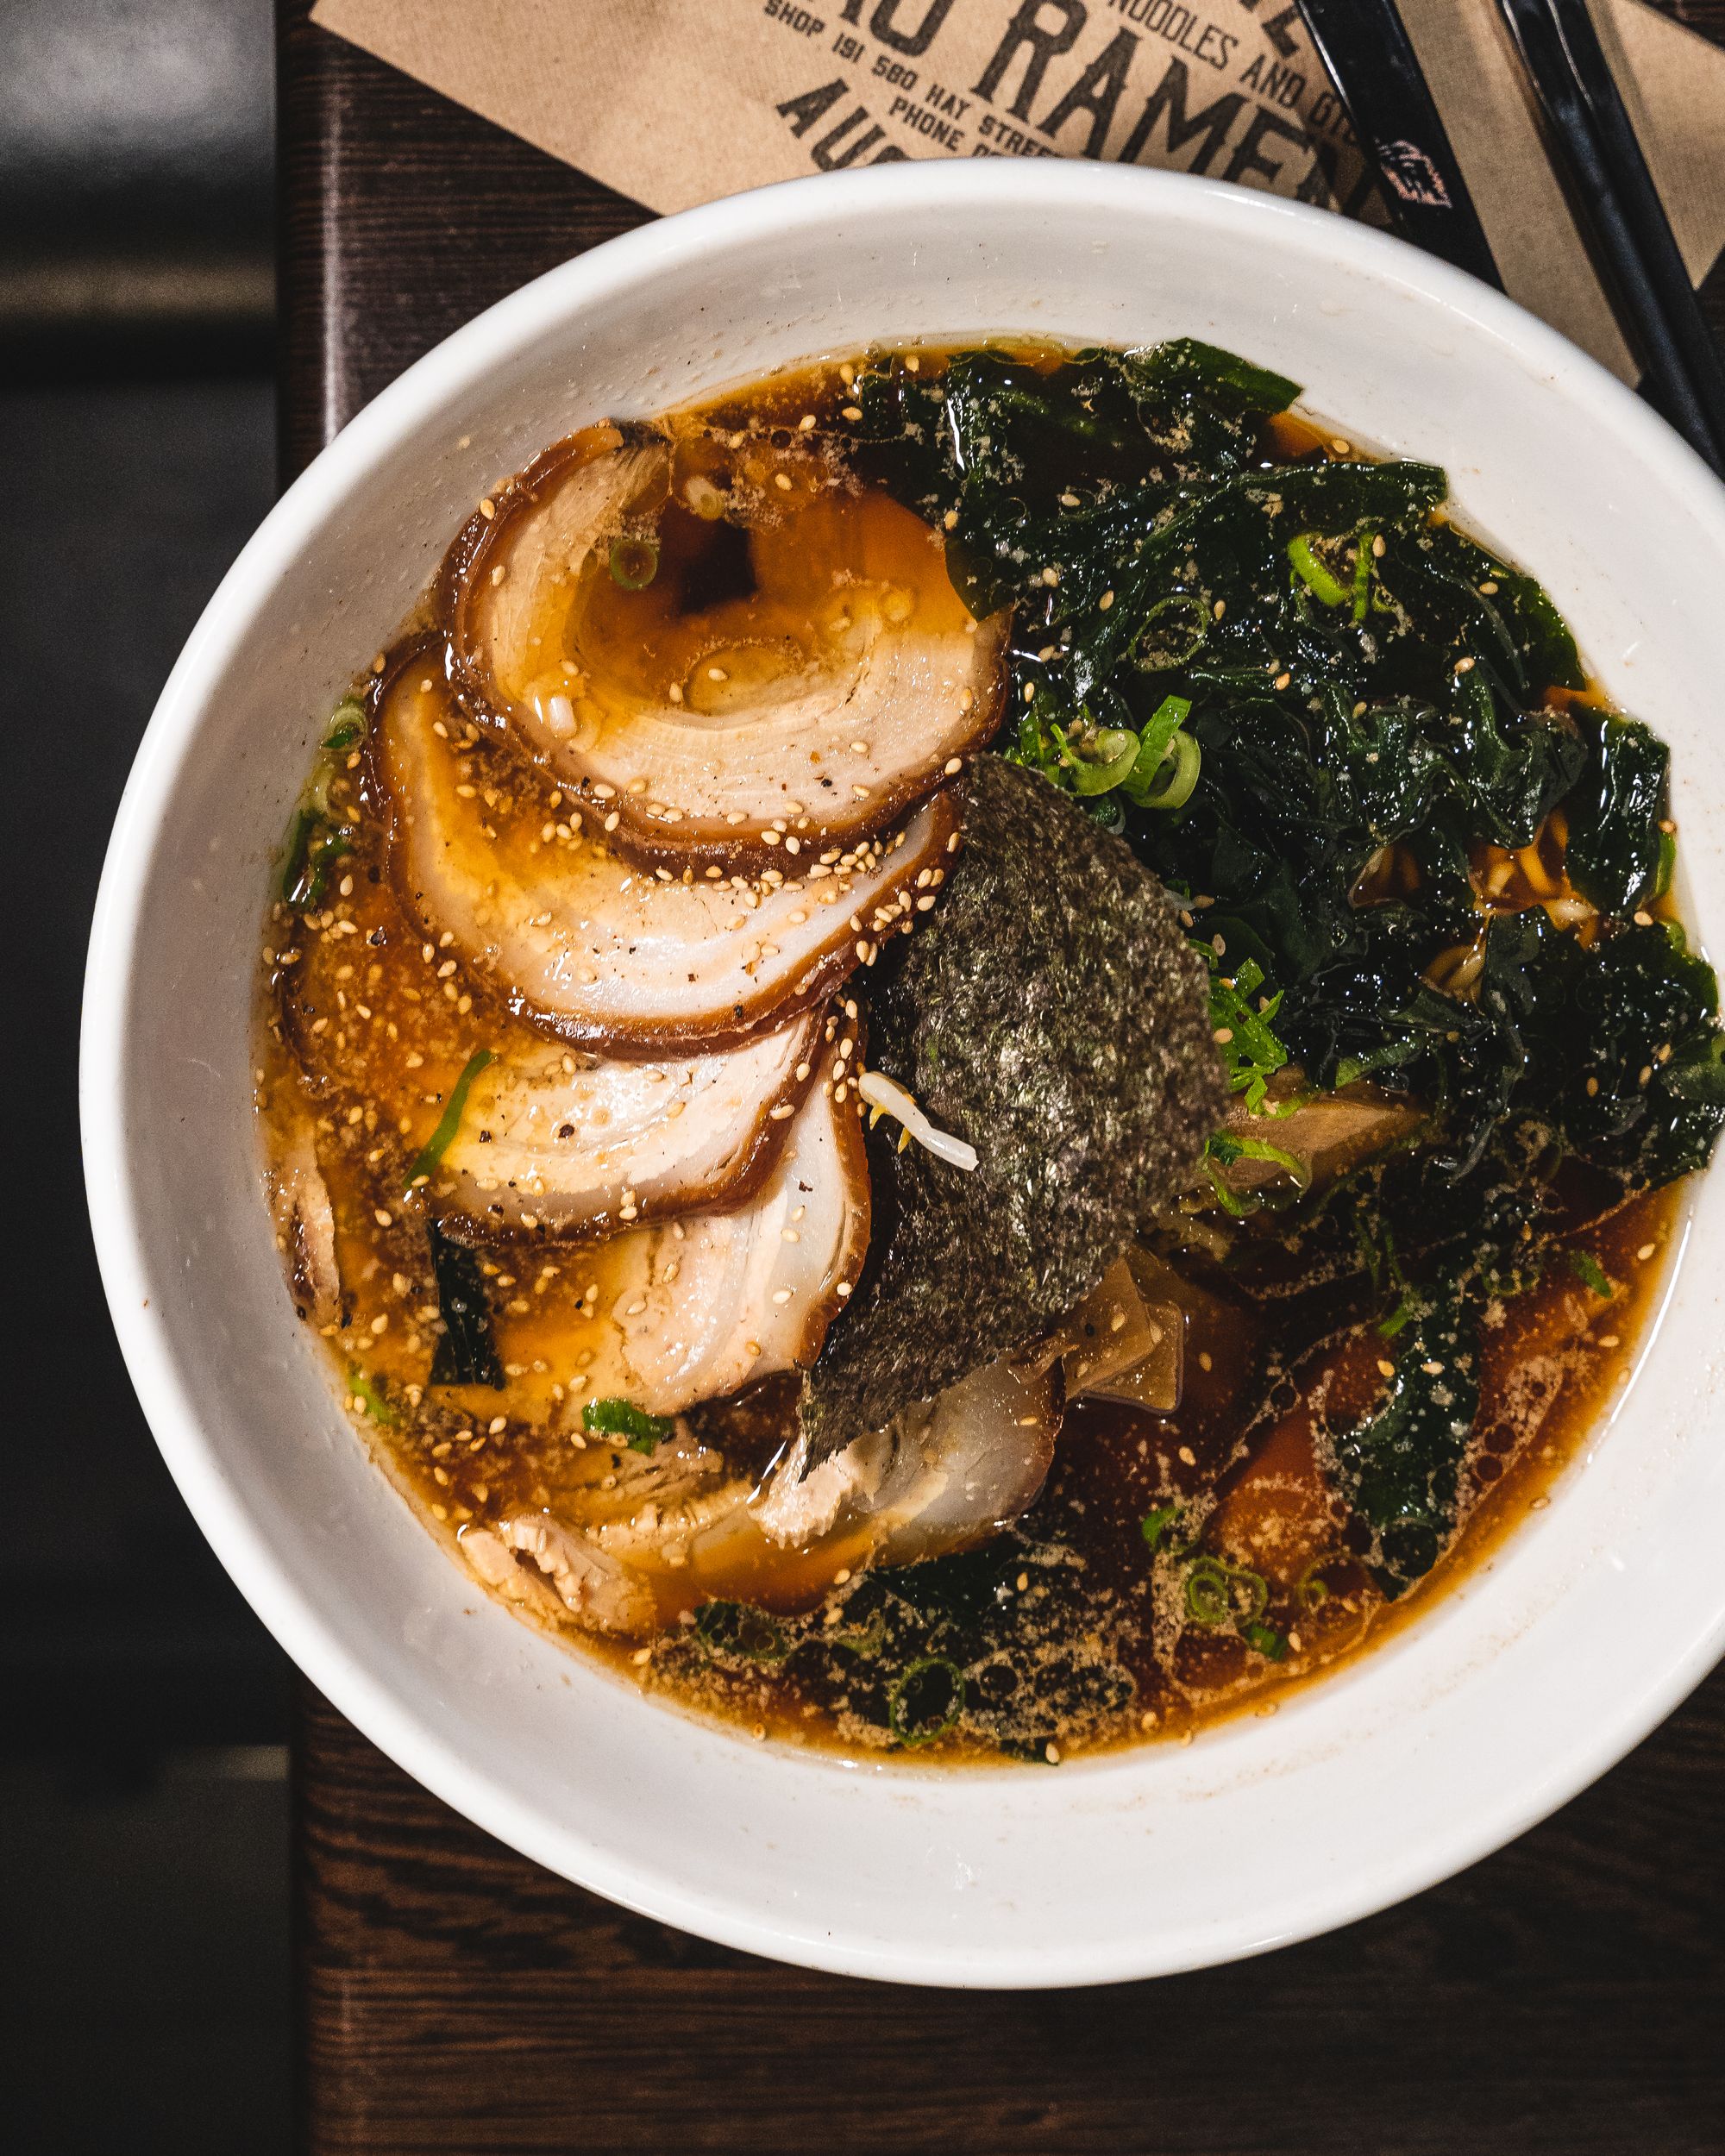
(761, 741)
(600, 951)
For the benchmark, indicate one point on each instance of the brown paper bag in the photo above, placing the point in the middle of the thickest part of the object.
(676, 101)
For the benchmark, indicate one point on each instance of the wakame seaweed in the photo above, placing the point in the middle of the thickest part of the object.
(1351, 680)
(1401, 1468)
(948, 1648)
(465, 1353)
(1051, 1012)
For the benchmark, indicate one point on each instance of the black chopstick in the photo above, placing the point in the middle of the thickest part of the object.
(1366, 49)
(1595, 145)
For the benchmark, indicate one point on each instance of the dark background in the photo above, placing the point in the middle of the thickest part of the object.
(144, 1960)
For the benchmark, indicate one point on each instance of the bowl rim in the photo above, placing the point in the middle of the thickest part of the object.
(215, 1498)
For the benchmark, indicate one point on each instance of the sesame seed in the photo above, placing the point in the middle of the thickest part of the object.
(953, 765)
(1645, 1252)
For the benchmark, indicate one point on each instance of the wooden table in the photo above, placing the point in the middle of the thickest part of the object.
(1566, 1995)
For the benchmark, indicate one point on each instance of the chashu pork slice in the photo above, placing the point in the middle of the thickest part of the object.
(566, 1144)
(592, 948)
(693, 1309)
(825, 701)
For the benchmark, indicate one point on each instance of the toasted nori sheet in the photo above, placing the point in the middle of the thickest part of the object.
(1052, 1011)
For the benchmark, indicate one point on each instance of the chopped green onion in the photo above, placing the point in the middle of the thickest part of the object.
(297, 854)
(1264, 1639)
(1154, 743)
(1588, 1269)
(314, 840)
(926, 1701)
(615, 1418)
(373, 1401)
(347, 726)
(426, 1159)
(1207, 1599)
(739, 1628)
(1156, 656)
(1175, 790)
(1312, 572)
(1412, 1303)
(1157, 1524)
(1116, 753)
(312, 844)
(634, 563)
(1667, 863)
(1309, 1590)
(1217, 1593)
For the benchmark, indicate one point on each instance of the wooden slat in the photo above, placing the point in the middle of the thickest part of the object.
(1564, 1998)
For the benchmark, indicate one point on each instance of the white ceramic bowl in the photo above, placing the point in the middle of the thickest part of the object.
(1598, 1616)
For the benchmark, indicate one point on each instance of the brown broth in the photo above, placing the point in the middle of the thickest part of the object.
(366, 1026)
